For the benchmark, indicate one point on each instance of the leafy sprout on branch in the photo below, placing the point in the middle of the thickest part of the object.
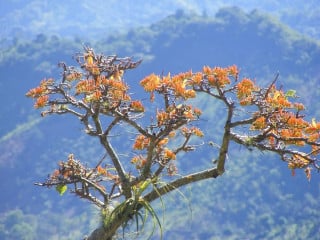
(97, 93)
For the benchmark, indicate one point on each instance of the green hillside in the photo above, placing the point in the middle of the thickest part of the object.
(257, 198)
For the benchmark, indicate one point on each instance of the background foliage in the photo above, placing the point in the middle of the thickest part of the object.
(257, 197)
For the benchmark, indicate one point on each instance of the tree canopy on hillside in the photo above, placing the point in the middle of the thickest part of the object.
(164, 128)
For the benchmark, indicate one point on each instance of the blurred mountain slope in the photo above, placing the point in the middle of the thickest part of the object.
(97, 18)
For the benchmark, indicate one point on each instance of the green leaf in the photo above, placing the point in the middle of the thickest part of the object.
(291, 93)
(61, 189)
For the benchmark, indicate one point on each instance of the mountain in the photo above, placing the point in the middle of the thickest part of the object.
(257, 198)
(97, 18)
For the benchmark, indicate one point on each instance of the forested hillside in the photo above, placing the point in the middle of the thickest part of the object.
(84, 20)
(257, 198)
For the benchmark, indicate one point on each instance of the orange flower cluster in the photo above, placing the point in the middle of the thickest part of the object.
(41, 90)
(184, 85)
(298, 161)
(162, 117)
(197, 79)
(93, 69)
(163, 141)
(40, 93)
(86, 86)
(219, 77)
(139, 161)
(313, 129)
(277, 99)
(192, 131)
(151, 83)
(294, 122)
(177, 113)
(299, 106)
(136, 106)
(245, 89)
(101, 171)
(168, 154)
(287, 134)
(41, 101)
(73, 76)
(289, 126)
(177, 84)
(116, 90)
(259, 123)
(141, 142)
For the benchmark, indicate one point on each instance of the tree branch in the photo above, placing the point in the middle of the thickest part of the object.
(191, 178)
(226, 138)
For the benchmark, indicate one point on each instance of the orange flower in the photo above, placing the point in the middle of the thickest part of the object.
(150, 83)
(272, 141)
(139, 161)
(166, 80)
(211, 80)
(136, 106)
(197, 112)
(117, 75)
(188, 114)
(162, 117)
(313, 127)
(259, 123)
(36, 92)
(141, 142)
(245, 88)
(185, 131)
(93, 69)
(197, 78)
(41, 101)
(168, 154)
(292, 133)
(277, 99)
(42, 89)
(178, 84)
(196, 131)
(95, 96)
(314, 137)
(296, 122)
(163, 141)
(283, 102)
(299, 106)
(233, 71)
(101, 170)
(221, 76)
(46, 82)
(85, 86)
(298, 161)
(101, 80)
(73, 76)
(189, 93)
(206, 70)
(246, 101)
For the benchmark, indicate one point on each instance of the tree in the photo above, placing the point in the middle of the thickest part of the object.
(264, 118)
